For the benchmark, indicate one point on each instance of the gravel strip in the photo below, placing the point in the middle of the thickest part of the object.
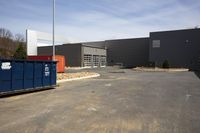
(61, 76)
(157, 69)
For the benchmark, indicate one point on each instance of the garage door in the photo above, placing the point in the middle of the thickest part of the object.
(87, 62)
(103, 60)
(94, 60)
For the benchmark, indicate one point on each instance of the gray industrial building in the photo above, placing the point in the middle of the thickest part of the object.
(125, 52)
(128, 52)
(180, 47)
(79, 55)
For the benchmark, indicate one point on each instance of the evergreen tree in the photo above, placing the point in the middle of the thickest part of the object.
(20, 52)
(165, 64)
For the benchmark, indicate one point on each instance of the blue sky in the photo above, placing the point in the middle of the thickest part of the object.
(93, 20)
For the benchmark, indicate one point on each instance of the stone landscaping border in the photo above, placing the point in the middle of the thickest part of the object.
(146, 69)
(79, 78)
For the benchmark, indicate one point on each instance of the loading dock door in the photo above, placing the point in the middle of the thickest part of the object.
(103, 61)
(94, 60)
(87, 60)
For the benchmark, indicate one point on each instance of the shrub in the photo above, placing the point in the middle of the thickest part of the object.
(151, 64)
(165, 64)
(20, 53)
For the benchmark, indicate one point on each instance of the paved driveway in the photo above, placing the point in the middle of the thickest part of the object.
(120, 101)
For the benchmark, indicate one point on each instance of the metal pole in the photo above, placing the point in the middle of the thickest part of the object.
(53, 30)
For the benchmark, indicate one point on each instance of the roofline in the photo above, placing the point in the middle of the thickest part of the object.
(128, 39)
(175, 30)
(110, 40)
(92, 41)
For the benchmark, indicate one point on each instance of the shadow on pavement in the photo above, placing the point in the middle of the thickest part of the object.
(197, 73)
(24, 92)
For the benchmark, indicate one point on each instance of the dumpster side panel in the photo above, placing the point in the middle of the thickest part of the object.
(5, 76)
(53, 73)
(39, 58)
(38, 74)
(28, 75)
(47, 74)
(18, 76)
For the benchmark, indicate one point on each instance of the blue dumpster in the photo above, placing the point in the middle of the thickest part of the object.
(22, 75)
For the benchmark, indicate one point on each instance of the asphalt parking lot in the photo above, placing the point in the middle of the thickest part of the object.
(119, 101)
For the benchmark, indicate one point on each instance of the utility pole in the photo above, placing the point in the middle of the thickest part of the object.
(53, 37)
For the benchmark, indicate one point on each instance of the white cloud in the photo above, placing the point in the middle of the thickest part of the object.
(109, 19)
(125, 19)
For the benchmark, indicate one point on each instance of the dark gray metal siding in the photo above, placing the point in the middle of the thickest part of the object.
(129, 52)
(72, 53)
(181, 48)
(44, 51)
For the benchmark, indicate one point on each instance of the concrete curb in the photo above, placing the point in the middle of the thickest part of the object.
(73, 79)
(160, 70)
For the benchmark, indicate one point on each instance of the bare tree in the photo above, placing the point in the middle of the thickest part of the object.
(4, 33)
(19, 38)
(9, 43)
(7, 46)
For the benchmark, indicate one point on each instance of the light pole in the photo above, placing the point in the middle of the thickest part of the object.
(53, 36)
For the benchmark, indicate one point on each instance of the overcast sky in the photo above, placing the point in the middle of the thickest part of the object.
(92, 20)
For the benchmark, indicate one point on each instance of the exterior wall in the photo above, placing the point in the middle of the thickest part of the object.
(31, 39)
(181, 48)
(129, 52)
(72, 53)
(93, 56)
(99, 44)
(37, 38)
(93, 51)
(44, 51)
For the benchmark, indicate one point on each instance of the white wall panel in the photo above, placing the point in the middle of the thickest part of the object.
(36, 39)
